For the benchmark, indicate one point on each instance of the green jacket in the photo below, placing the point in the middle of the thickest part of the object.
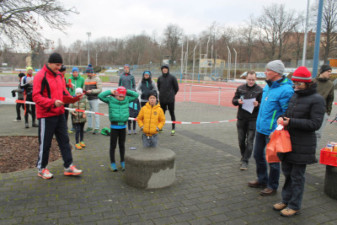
(77, 82)
(82, 104)
(118, 110)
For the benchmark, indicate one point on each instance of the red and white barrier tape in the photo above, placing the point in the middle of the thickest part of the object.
(103, 114)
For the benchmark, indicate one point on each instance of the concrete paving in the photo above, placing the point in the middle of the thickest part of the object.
(209, 189)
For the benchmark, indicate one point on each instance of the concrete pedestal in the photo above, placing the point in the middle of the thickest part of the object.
(330, 183)
(150, 168)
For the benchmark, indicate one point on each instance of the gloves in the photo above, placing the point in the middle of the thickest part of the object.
(13, 94)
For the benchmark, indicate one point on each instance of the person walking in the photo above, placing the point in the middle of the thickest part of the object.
(246, 123)
(325, 88)
(20, 91)
(48, 93)
(146, 86)
(274, 102)
(92, 86)
(27, 85)
(168, 88)
(303, 117)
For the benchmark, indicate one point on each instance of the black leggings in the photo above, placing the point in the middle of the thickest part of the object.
(170, 107)
(29, 109)
(134, 124)
(79, 128)
(120, 135)
(18, 112)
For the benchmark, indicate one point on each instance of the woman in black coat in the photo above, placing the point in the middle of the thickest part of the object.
(303, 117)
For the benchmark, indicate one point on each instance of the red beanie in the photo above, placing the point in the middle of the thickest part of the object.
(302, 74)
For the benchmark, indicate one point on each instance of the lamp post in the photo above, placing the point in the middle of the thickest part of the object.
(317, 38)
(194, 61)
(89, 34)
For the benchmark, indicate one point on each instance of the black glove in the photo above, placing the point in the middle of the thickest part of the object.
(13, 94)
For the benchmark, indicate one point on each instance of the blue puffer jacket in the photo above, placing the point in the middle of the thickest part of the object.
(274, 103)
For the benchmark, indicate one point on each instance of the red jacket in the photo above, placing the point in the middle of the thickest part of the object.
(45, 106)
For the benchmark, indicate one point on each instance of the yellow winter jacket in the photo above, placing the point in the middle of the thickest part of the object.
(151, 118)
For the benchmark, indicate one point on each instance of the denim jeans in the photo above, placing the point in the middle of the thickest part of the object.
(93, 107)
(292, 191)
(272, 180)
(151, 141)
(246, 133)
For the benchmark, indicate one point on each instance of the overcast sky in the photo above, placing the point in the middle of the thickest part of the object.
(122, 18)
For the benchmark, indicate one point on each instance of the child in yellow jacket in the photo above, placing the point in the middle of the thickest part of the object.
(151, 119)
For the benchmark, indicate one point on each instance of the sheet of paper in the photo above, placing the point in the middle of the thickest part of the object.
(248, 104)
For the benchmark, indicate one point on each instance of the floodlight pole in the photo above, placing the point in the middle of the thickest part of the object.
(182, 62)
(194, 61)
(305, 35)
(89, 34)
(235, 58)
(229, 64)
(317, 38)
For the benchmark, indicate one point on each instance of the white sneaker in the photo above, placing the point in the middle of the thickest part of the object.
(72, 171)
(45, 174)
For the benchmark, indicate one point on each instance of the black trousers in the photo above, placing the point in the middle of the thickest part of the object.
(246, 134)
(66, 112)
(18, 110)
(47, 128)
(133, 123)
(79, 129)
(170, 107)
(29, 109)
(117, 135)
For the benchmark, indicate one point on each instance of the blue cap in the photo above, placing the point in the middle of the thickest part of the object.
(75, 69)
(127, 65)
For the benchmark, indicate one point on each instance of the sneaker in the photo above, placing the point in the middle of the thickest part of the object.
(82, 144)
(45, 174)
(35, 125)
(134, 132)
(123, 166)
(287, 212)
(173, 132)
(244, 166)
(88, 129)
(72, 171)
(17, 120)
(26, 125)
(129, 132)
(78, 146)
(114, 167)
(96, 131)
(70, 132)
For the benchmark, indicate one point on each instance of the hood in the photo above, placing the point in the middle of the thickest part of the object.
(284, 80)
(165, 66)
(149, 73)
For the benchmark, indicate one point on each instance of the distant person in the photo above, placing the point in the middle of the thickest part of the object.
(127, 80)
(134, 108)
(92, 86)
(20, 91)
(246, 124)
(75, 81)
(146, 86)
(151, 119)
(118, 102)
(49, 90)
(79, 119)
(303, 117)
(27, 85)
(325, 88)
(274, 103)
(168, 88)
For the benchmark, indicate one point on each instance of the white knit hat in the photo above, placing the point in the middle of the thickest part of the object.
(79, 90)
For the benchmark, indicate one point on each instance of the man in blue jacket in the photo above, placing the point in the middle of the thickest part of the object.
(274, 103)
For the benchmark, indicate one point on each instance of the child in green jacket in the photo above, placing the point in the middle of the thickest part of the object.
(118, 101)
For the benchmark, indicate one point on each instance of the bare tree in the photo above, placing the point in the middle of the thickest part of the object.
(275, 25)
(21, 20)
(172, 35)
(329, 26)
(248, 36)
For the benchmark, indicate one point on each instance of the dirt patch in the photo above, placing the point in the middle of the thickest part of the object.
(20, 153)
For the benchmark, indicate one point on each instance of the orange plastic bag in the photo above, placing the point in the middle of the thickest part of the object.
(279, 142)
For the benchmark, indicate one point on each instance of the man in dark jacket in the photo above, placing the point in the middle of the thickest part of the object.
(325, 88)
(168, 87)
(246, 123)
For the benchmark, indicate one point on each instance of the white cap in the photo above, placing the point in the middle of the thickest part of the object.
(79, 90)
